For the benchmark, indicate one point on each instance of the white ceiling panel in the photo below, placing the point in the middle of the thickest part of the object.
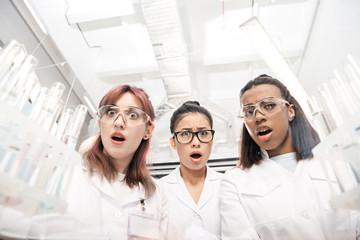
(186, 49)
(92, 10)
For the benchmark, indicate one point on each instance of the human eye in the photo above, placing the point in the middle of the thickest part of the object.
(269, 104)
(185, 134)
(248, 111)
(133, 113)
(204, 133)
(111, 112)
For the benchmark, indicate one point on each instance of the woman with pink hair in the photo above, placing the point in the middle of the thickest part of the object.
(113, 196)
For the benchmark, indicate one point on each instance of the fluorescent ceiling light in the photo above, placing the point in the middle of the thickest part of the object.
(35, 16)
(271, 55)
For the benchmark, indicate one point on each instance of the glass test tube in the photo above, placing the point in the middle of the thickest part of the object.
(11, 56)
(321, 123)
(345, 95)
(15, 85)
(330, 105)
(64, 122)
(75, 125)
(51, 107)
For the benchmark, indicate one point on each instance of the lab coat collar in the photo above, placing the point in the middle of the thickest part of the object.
(104, 187)
(175, 176)
(183, 194)
(315, 169)
(264, 177)
(312, 167)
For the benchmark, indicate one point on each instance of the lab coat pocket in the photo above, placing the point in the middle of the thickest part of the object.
(259, 202)
(143, 226)
(322, 188)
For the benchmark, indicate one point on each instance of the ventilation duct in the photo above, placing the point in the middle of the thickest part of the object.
(165, 30)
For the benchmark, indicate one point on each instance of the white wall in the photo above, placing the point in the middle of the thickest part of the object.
(336, 33)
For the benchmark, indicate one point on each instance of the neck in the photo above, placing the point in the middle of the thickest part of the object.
(121, 165)
(191, 176)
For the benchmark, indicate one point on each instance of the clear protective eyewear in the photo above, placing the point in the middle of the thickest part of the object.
(204, 136)
(130, 115)
(267, 107)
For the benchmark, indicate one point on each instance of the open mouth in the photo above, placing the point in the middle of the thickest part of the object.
(118, 138)
(264, 132)
(195, 155)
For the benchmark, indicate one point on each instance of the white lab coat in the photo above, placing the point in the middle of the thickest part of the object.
(93, 212)
(269, 202)
(202, 220)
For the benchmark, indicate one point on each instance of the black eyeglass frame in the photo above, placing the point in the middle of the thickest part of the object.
(174, 135)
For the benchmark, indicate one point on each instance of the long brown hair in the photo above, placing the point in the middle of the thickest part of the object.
(304, 136)
(98, 161)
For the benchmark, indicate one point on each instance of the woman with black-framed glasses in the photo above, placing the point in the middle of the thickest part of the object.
(192, 188)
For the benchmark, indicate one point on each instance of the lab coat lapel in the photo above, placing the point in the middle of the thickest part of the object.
(265, 177)
(315, 169)
(105, 188)
(179, 189)
(137, 194)
(209, 188)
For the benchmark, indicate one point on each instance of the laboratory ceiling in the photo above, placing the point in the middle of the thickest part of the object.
(180, 50)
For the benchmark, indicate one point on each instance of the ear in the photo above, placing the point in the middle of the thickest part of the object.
(99, 123)
(291, 111)
(148, 132)
(172, 143)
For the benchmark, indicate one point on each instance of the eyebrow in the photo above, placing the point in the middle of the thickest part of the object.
(251, 104)
(189, 129)
(113, 105)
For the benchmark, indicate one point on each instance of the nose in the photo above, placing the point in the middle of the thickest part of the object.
(122, 122)
(258, 116)
(195, 141)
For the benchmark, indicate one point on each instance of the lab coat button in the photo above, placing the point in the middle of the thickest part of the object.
(306, 214)
(118, 214)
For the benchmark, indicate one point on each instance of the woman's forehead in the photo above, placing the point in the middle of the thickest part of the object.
(128, 99)
(260, 92)
(191, 118)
